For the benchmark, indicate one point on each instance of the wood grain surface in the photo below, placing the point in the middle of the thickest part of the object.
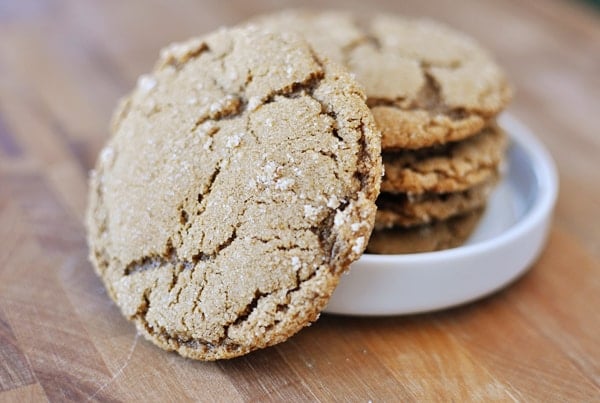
(64, 64)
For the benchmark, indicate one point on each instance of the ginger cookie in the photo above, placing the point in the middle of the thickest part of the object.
(453, 167)
(405, 210)
(425, 238)
(238, 185)
(426, 83)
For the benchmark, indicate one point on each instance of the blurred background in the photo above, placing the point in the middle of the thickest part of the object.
(63, 66)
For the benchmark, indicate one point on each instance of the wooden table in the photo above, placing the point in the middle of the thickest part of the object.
(64, 63)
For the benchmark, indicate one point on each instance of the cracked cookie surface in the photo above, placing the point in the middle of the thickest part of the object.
(432, 237)
(404, 210)
(426, 83)
(453, 167)
(238, 185)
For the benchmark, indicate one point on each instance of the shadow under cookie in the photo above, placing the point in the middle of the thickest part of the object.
(425, 238)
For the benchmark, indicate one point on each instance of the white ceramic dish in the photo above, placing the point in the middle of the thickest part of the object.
(507, 241)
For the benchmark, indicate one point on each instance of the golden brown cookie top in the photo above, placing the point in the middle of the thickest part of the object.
(239, 183)
(453, 167)
(426, 83)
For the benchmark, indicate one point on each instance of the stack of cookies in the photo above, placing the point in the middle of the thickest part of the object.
(432, 197)
(434, 94)
(243, 173)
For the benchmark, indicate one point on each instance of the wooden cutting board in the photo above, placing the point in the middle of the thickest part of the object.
(64, 63)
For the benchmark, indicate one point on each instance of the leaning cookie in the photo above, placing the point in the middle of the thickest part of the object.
(404, 210)
(425, 238)
(238, 185)
(426, 83)
(454, 167)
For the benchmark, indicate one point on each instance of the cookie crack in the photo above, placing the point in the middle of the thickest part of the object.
(149, 262)
(142, 309)
(305, 87)
(297, 88)
(228, 107)
(201, 197)
(224, 245)
(153, 261)
(367, 38)
(141, 315)
(198, 298)
(247, 311)
(323, 232)
(430, 95)
(429, 99)
(171, 59)
(204, 257)
(364, 158)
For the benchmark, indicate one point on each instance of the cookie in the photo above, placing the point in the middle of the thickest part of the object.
(425, 238)
(426, 83)
(454, 167)
(238, 185)
(404, 210)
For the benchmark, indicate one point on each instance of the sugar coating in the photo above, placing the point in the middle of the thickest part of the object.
(333, 202)
(284, 183)
(234, 140)
(209, 220)
(359, 244)
(268, 174)
(296, 264)
(146, 83)
(340, 219)
(311, 212)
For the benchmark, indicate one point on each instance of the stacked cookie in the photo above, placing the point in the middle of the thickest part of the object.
(432, 197)
(434, 94)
